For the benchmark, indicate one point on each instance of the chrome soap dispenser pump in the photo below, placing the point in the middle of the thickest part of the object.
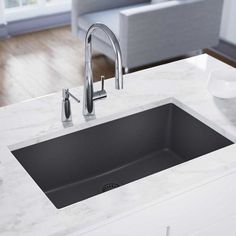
(66, 109)
(66, 115)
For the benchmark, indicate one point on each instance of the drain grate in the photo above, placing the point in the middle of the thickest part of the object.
(110, 186)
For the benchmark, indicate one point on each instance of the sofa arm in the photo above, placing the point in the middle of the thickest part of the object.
(80, 7)
(160, 31)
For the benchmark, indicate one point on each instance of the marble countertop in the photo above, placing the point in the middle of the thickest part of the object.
(24, 208)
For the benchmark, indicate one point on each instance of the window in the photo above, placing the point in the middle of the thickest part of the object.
(18, 3)
(21, 9)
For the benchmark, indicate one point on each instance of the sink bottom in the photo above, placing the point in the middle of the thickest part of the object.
(150, 164)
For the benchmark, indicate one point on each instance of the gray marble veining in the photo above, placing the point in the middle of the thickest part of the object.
(25, 210)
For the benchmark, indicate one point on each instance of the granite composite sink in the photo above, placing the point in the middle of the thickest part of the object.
(80, 165)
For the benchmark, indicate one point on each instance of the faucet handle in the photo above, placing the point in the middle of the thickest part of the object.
(101, 93)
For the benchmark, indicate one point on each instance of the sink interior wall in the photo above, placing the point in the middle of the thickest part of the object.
(72, 167)
(93, 151)
(189, 138)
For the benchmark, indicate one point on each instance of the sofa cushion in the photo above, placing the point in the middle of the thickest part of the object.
(107, 17)
(159, 1)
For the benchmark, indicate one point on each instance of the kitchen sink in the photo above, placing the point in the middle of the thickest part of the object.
(85, 163)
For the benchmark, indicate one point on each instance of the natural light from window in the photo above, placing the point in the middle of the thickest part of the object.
(22, 9)
(20, 3)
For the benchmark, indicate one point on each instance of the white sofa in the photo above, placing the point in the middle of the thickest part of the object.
(150, 31)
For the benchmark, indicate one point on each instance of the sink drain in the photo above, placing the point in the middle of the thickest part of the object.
(110, 186)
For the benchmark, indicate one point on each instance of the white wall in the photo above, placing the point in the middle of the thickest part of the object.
(228, 27)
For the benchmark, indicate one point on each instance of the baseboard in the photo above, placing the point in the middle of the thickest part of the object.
(36, 24)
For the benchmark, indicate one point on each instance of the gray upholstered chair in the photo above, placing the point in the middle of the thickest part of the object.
(150, 31)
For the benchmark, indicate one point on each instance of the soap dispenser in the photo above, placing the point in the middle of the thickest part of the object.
(66, 115)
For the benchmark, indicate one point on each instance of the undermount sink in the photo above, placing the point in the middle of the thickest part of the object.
(80, 165)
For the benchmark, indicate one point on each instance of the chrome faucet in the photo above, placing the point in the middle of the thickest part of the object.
(89, 94)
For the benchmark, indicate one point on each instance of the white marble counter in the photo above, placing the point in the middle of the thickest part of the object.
(25, 210)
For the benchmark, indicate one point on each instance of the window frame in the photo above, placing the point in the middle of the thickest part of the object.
(42, 8)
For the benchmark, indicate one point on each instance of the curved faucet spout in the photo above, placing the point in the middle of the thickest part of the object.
(88, 108)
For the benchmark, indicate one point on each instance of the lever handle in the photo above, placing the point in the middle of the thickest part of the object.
(101, 93)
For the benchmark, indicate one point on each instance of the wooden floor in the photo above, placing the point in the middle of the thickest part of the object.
(37, 64)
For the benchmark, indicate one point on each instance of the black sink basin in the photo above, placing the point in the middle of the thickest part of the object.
(80, 165)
